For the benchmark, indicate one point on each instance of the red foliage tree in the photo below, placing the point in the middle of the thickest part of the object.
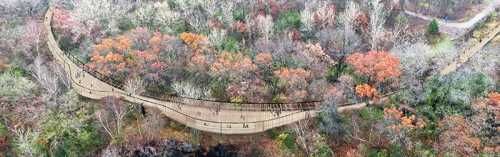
(377, 65)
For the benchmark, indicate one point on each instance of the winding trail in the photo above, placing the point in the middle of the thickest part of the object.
(469, 52)
(457, 29)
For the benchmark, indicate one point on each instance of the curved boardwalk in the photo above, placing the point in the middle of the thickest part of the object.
(210, 116)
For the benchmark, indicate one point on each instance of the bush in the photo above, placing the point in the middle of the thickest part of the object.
(230, 45)
(18, 71)
(453, 94)
(67, 44)
(14, 86)
(323, 150)
(218, 89)
(392, 151)
(125, 24)
(239, 14)
(287, 20)
(372, 114)
(336, 71)
(286, 140)
(64, 135)
(3, 130)
(330, 121)
(433, 28)
(450, 95)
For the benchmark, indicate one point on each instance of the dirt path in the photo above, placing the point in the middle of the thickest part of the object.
(469, 52)
(457, 29)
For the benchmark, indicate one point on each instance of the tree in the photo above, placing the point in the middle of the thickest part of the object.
(377, 20)
(457, 137)
(192, 39)
(13, 87)
(377, 65)
(62, 134)
(293, 84)
(134, 86)
(331, 122)
(46, 78)
(264, 25)
(433, 28)
(112, 117)
(365, 90)
(494, 98)
(303, 134)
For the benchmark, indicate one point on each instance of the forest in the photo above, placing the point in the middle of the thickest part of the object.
(386, 78)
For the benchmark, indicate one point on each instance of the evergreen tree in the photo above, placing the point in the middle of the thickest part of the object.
(433, 28)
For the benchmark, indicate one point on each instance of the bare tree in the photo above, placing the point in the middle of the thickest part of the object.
(134, 86)
(303, 134)
(112, 117)
(264, 26)
(151, 125)
(32, 34)
(377, 20)
(24, 139)
(61, 74)
(348, 18)
(47, 79)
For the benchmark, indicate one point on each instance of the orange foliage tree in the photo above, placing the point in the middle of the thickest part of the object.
(293, 84)
(377, 65)
(494, 98)
(234, 64)
(365, 90)
(118, 57)
(193, 40)
(398, 122)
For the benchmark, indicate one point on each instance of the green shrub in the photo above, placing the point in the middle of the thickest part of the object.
(179, 26)
(14, 86)
(239, 14)
(453, 94)
(273, 133)
(323, 150)
(3, 130)
(67, 44)
(218, 89)
(392, 151)
(450, 95)
(432, 32)
(230, 45)
(287, 140)
(372, 114)
(335, 72)
(125, 24)
(18, 71)
(423, 150)
(433, 28)
(64, 135)
(287, 20)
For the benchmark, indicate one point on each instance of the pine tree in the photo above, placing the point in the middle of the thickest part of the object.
(433, 28)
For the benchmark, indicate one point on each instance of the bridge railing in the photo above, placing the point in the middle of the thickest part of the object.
(216, 105)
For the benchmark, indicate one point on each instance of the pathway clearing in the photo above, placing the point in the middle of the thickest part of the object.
(457, 29)
(469, 52)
